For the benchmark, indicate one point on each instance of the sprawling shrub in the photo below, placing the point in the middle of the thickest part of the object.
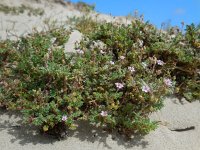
(37, 78)
(179, 52)
(119, 75)
(121, 93)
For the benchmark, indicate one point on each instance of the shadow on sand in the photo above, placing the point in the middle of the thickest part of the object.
(25, 134)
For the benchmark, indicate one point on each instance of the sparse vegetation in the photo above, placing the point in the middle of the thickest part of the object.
(84, 24)
(84, 7)
(21, 9)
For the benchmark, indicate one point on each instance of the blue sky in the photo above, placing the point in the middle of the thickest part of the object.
(155, 11)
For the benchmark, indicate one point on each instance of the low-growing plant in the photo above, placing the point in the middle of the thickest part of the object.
(51, 88)
(81, 6)
(84, 7)
(179, 53)
(84, 24)
(118, 76)
(121, 93)
(35, 79)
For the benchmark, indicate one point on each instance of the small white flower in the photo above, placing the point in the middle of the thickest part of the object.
(49, 50)
(145, 88)
(102, 52)
(122, 57)
(104, 113)
(140, 43)
(168, 82)
(131, 69)
(64, 118)
(112, 62)
(173, 36)
(119, 85)
(80, 51)
(160, 62)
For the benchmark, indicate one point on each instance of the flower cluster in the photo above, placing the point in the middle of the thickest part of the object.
(119, 85)
(146, 88)
(168, 82)
(64, 118)
(160, 62)
(131, 69)
(104, 113)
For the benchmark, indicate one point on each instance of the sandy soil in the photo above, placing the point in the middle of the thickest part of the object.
(13, 26)
(13, 135)
(175, 115)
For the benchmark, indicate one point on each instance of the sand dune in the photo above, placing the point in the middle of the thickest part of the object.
(174, 117)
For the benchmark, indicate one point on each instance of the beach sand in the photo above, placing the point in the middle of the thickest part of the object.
(14, 135)
(175, 115)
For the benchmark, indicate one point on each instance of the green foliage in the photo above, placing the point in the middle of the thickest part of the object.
(21, 9)
(84, 7)
(143, 42)
(84, 24)
(35, 79)
(119, 75)
(127, 107)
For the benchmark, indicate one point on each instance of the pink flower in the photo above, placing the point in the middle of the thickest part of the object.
(119, 85)
(131, 69)
(168, 82)
(160, 62)
(64, 118)
(122, 57)
(112, 62)
(145, 88)
(104, 113)
(80, 51)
